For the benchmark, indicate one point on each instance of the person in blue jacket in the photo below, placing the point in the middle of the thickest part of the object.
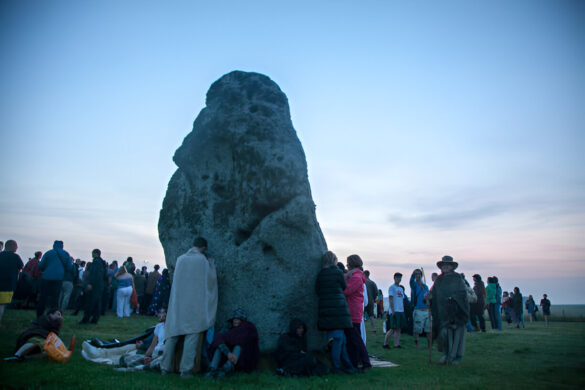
(53, 265)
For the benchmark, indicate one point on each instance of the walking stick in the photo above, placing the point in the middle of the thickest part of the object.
(430, 321)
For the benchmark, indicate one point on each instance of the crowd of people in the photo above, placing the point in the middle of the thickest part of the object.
(185, 340)
(55, 280)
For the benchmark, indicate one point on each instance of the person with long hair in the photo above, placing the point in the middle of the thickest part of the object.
(334, 315)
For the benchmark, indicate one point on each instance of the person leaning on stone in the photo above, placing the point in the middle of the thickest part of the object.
(10, 266)
(333, 311)
(450, 311)
(192, 306)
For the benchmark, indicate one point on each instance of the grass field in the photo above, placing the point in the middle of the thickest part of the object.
(535, 358)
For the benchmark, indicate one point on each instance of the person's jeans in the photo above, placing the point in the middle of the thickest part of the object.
(499, 316)
(492, 315)
(218, 358)
(339, 348)
(66, 289)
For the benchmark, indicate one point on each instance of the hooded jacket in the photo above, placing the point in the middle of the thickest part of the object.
(54, 262)
(291, 346)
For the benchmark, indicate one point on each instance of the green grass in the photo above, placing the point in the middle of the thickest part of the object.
(535, 357)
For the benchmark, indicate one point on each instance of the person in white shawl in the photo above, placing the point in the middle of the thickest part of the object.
(192, 305)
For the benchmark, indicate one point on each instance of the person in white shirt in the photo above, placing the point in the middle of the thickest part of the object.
(396, 311)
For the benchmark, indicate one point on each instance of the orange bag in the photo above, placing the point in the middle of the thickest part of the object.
(56, 350)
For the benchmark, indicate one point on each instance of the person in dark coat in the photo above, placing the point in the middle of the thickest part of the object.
(477, 309)
(450, 311)
(292, 356)
(333, 311)
(237, 349)
(161, 295)
(140, 285)
(10, 266)
(96, 282)
(518, 307)
(372, 290)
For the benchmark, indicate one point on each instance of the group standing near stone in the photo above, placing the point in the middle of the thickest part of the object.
(186, 339)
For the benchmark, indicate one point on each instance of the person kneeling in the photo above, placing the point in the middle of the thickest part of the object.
(235, 350)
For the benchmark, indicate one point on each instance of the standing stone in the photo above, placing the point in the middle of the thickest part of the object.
(242, 184)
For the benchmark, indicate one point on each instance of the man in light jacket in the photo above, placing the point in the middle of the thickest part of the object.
(192, 306)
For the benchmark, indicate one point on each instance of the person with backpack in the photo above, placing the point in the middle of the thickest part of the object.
(53, 265)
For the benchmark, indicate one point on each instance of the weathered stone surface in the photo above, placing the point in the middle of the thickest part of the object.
(242, 184)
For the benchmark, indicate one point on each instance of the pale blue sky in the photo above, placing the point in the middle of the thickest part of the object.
(430, 128)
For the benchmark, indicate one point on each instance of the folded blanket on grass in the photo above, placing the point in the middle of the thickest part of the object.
(378, 362)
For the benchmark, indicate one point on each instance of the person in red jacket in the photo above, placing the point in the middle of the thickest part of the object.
(354, 294)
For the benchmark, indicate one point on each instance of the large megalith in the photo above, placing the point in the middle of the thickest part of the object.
(242, 184)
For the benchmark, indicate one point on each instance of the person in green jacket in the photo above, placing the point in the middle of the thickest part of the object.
(491, 301)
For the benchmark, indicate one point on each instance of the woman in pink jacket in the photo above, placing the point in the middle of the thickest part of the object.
(354, 294)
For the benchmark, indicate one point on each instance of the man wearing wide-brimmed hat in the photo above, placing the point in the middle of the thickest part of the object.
(450, 311)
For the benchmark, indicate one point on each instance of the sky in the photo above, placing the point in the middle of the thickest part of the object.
(430, 128)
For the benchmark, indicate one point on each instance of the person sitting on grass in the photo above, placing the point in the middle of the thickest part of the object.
(235, 350)
(145, 353)
(292, 356)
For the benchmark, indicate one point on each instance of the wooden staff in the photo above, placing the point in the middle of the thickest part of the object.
(430, 320)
